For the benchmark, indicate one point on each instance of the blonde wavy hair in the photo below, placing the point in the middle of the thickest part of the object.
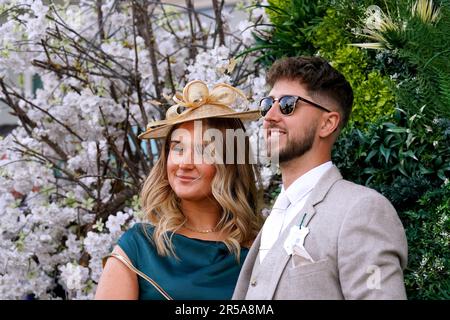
(236, 187)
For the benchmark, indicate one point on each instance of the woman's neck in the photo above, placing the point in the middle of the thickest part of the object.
(202, 215)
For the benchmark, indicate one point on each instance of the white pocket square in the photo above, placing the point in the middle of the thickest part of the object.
(300, 256)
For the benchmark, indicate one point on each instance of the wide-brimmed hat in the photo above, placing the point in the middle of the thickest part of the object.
(197, 103)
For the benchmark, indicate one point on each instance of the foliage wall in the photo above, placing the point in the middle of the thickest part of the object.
(395, 55)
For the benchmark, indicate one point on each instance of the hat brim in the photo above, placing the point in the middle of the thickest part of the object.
(163, 130)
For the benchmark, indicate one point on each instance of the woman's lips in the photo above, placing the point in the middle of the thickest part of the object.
(187, 178)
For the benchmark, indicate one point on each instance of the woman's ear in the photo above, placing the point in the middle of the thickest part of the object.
(330, 123)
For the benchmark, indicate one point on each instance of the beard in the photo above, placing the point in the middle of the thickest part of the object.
(298, 146)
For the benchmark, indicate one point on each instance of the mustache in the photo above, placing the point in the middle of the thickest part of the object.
(274, 126)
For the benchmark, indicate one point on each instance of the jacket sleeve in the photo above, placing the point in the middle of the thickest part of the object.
(372, 251)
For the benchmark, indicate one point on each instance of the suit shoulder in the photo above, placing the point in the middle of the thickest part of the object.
(350, 196)
(355, 205)
(356, 191)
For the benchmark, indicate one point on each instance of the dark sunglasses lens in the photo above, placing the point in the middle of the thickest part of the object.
(287, 104)
(265, 105)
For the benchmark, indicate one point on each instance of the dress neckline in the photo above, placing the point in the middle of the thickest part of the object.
(197, 239)
(217, 242)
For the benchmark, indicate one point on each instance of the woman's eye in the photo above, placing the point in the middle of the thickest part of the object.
(177, 148)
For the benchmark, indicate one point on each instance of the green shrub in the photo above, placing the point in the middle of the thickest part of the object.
(308, 28)
(293, 22)
(373, 96)
(408, 160)
(405, 152)
(274, 15)
(421, 46)
(427, 229)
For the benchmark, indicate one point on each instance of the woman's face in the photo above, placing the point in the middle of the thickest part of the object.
(191, 180)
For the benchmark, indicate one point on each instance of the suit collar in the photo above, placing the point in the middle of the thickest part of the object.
(305, 183)
(274, 263)
(277, 256)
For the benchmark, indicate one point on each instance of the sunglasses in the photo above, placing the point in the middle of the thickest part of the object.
(287, 104)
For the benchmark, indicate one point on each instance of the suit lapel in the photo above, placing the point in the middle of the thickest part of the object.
(277, 257)
(320, 191)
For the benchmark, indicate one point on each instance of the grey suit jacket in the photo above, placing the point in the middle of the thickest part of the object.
(356, 240)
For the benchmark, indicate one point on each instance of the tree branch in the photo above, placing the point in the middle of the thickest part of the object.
(219, 22)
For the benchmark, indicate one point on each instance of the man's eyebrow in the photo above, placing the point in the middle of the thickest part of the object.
(175, 141)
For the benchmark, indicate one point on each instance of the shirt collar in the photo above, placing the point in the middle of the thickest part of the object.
(305, 183)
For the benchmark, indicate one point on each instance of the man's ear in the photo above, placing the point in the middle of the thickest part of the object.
(330, 123)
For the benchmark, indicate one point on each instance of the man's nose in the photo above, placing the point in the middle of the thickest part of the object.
(274, 114)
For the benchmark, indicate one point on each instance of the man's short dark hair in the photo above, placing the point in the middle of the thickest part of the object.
(318, 76)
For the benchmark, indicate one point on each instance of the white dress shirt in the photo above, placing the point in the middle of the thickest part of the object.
(288, 205)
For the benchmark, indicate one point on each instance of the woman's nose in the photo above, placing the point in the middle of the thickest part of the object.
(187, 160)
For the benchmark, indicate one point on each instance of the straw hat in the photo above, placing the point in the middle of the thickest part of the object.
(196, 103)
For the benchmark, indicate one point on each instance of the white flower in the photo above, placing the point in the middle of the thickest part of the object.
(265, 212)
(43, 211)
(74, 276)
(266, 176)
(73, 245)
(115, 223)
(246, 28)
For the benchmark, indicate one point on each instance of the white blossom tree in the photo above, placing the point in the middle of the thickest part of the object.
(70, 173)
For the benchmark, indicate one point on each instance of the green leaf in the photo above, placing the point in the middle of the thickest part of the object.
(401, 168)
(397, 130)
(388, 139)
(441, 174)
(386, 152)
(410, 139)
(370, 155)
(410, 154)
(370, 170)
(424, 170)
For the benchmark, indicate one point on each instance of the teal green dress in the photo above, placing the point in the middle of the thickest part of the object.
(205, 269)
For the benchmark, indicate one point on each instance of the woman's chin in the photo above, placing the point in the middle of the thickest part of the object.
(190, 195)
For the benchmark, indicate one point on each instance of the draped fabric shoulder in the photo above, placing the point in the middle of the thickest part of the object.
(204, 269)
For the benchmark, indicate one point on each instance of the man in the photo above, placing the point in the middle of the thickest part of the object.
(326, 238)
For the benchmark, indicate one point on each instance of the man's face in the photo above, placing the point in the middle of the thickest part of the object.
(296, 132)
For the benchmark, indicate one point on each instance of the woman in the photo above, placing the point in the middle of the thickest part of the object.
(203, 214)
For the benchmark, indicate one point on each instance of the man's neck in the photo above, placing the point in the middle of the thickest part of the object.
(295, 168)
